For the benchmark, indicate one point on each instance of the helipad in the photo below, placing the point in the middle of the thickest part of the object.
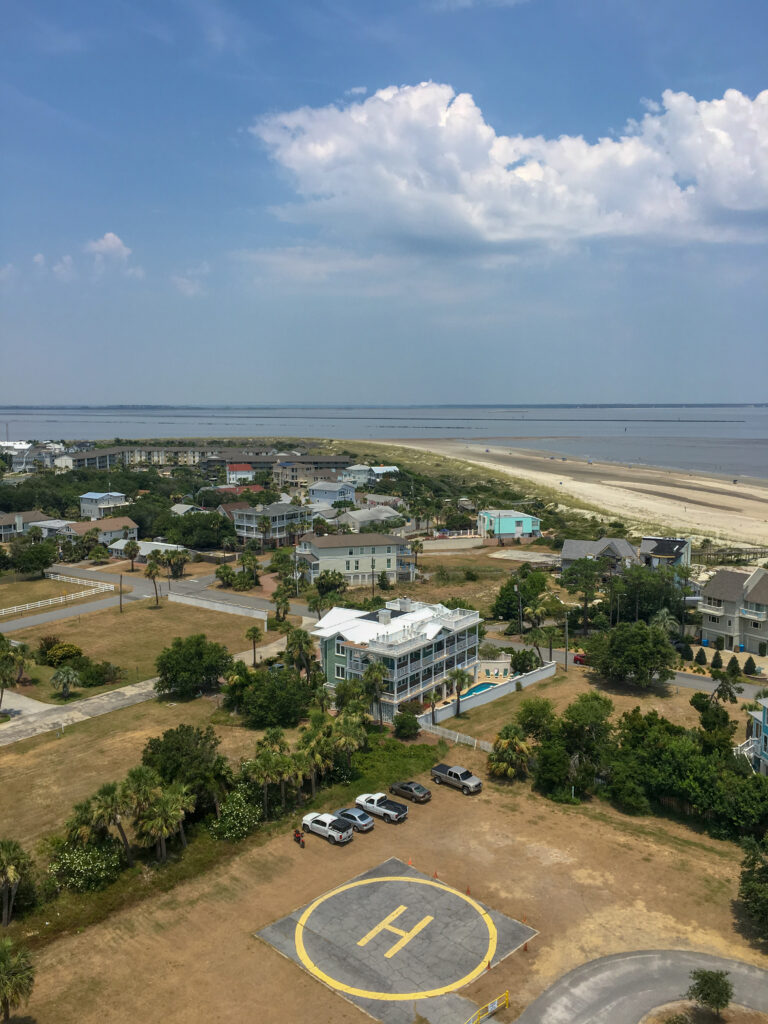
(395, 942)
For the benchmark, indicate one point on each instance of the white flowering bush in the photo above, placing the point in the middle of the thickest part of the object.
(87, 867)
(239, 817)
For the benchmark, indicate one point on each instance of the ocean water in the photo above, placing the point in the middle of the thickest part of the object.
(718, 439)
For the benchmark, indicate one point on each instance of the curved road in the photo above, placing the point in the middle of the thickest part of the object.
(621, 989)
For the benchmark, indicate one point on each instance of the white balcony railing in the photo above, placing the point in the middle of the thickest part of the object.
(710, 609)
(750, 613)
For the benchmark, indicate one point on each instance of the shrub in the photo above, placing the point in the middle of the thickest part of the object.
(85, 868)
(97, 673)
(406, 725)
(239, 817)
(44, 644)
(686, 653)
(414, 706)
(762, 648)
(749, 666)
(701, 657)
(720, 643)
(60, 653)
(717, 659)
(470, 575)
(733, 668)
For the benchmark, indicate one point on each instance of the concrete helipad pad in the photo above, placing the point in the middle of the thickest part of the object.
(397, 942)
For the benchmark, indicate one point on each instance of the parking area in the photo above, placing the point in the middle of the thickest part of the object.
(398, 943)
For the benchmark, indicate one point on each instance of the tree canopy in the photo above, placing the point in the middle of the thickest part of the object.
(190, 665)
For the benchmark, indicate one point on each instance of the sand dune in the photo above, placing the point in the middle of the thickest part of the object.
(691, 504)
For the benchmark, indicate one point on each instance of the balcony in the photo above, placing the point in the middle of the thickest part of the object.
(748, 613)
(710, 609)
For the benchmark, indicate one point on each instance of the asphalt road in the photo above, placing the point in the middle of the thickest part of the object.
(621, 989)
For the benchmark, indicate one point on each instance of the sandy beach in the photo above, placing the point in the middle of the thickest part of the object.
(691, 504)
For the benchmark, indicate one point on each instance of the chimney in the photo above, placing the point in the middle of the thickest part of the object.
(385, 616)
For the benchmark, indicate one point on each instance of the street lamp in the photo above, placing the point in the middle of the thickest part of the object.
(519, 608)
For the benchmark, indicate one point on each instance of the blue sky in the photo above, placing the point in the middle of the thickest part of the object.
(349, 201)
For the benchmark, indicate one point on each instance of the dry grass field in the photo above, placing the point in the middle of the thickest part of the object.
(134, 639)
(590, 880)
(190, 569)
(27, 591)
(671, 702)
(41, 778)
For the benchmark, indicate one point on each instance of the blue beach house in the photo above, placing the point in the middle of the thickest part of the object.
(506, 523)
(755, 749)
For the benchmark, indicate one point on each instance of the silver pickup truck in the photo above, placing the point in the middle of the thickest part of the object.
(458, 777)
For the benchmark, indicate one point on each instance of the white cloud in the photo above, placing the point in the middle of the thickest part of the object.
(462, 5)
(356, 90)
(135, 272)
(190, 282)
(39, 261)
(7, 273)
(110, 246)
(64, 270)
(419, 165)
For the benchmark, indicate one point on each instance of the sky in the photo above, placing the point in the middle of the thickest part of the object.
(418, 201)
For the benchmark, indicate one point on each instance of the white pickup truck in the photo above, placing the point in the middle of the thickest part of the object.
(334, 829)
(382, 807)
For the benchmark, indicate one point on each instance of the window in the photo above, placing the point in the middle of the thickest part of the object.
(341, 672)
(389, 552)
(347, 565)
(755, 625)
(339, 648)
(351, 551)
(389, 563)
(713, 618)
(357, 565)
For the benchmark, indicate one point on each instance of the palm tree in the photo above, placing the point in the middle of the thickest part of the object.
(17, 976)
(160, 820)
(13, 861)
(317, 747)
(131, 550)
(321, 697)
(250, 562)
(348, 735)
(81, 826)
(7, 667)
(460, 679)
(432, 698)
(510, 755)
(416, 547)
(300, 648)
(181, 802)
(109, 804)
(282, 602)
(152, 571)
(140, 788)
(536, 613)
(254, 634)
(301, 769)
(64, 679)
(317, 603)
(536, 637)
(274, 741)
(551, 634)
(263, 769)
(263, 524)
(20, 655)
(373, 677)
(667, 621)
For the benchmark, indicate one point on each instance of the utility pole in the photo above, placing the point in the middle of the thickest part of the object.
(519, 608)
(121, 593)
(296, 568)
(565, 660)
(373, 577)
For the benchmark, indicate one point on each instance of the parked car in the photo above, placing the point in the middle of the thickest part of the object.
(378, 804)
(359, 820)
(334, 829)
(458, 777)
(411, 791)
(580, 659)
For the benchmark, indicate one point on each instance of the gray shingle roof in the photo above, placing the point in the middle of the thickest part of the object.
(618, 546)
(726, 585)
(352, 540)
(757, 590)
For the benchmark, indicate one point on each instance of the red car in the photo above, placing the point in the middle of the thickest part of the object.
(580, 659)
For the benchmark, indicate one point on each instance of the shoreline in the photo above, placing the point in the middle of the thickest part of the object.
(695, 504)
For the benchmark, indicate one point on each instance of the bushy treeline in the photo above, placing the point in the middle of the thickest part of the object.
(641, 763)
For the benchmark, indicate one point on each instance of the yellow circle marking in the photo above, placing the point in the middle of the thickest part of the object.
(394, 997)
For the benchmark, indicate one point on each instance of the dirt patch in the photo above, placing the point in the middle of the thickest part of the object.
(588, 883)
(134, 639)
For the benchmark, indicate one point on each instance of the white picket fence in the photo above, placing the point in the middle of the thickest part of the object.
(456, 737)
(91, 588)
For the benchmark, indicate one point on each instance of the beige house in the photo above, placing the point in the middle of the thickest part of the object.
(734, 606)
(110, 530)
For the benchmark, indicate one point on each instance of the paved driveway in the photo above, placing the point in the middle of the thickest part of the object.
(621, 989)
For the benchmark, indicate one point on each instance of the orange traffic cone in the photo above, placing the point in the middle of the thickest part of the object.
(523, 914)
(468, 892)
(525, 948)
(488, 966)
(435, 875)
(410, 863)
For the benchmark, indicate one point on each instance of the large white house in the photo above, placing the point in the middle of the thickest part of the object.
(330, 491)
(360, 558)
(364, 476)
(419, 644)
(97, 504)
(285, 521)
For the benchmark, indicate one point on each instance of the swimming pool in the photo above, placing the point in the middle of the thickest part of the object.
(479, 688)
